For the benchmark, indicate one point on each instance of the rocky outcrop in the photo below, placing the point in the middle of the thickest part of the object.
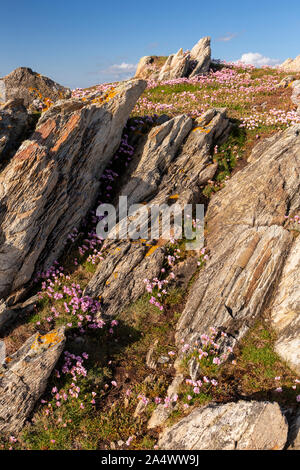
(247, 240)
(201, 55)
(33, 88)
(174, 163)
(285, 313)
(54, 178)
(14, 123)
(234, 426)
(23, 378)
(176, 66)
(291, 65)
(149, 67)
(179, 65)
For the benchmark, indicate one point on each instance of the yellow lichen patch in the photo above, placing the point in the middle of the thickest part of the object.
(49, 340)
(175, 196)
(201, 129)
(47, 102)
(152, 250)
(105, 97)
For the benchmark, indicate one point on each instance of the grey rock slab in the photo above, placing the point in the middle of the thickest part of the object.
(233, 426)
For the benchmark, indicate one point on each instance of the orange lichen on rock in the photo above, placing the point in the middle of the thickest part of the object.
(105, 97)
(201, 129)
(152, 250)
(47, 341)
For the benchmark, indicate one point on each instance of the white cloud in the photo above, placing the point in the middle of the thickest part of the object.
(257, 59)
(122, 67)
(119, 71)
(227, 37)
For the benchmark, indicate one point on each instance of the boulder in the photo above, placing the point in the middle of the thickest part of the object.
(14, 123)
(285, 313)
(291, 65)
(234, 426)
(53, 180)
(30, 86)
(247, 240)
(175, 162)
(23, 378)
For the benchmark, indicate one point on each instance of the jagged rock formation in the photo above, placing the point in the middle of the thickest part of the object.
(181, 64)
(247, 241)
(176, 66)
(201, 54)
(33, 88)
(175, 160)
(291, 65)
(14, 122)
(285, 313)
(234, 426)
(53, 180)
(24, 376)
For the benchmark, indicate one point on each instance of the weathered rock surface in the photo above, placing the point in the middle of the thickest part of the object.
(291, 65)
(247, 241)
(160, 149)
(234, 426)
(176, 66)
(14, 122)
(149, 67)
(179, 65)
(285, 313)
(201, 54)
(175, 162)
(30, 86)
(54, 178)
(24, 377)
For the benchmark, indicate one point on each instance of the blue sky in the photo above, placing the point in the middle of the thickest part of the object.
(82, 43)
